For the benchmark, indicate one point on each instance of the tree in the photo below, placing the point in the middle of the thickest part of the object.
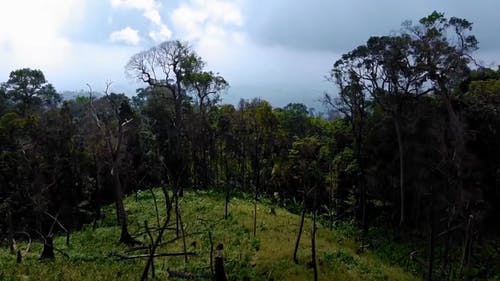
(386, 69)
(174, 66)
(113, 115)
(167, 65)
(28, 89)
(354, 104)
(443, 52)
(205, 87)
(305, 166)
(3, 101)
(296, 119)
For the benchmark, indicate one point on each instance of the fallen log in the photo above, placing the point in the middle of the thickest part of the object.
(121, 257)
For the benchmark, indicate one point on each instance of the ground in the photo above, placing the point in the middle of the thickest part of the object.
(268, 256)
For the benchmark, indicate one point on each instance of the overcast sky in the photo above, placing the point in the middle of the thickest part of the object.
(278, 50)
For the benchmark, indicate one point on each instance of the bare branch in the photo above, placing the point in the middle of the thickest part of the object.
(147, 256)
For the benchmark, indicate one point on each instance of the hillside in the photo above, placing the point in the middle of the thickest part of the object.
(91, 253)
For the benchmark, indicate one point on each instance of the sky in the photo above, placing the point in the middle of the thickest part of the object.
(277, 50)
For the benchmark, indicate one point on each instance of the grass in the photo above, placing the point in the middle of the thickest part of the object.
(265, 257)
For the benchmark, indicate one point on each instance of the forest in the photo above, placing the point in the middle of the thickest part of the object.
(407, 151)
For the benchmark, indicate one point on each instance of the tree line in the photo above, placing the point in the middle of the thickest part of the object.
(413, 147)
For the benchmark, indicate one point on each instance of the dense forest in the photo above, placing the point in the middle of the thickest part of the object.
(408, 145)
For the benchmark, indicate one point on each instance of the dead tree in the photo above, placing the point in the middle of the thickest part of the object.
(154, 246)
(48, 242)
(113, 138)
(220, 273)
(48, 248)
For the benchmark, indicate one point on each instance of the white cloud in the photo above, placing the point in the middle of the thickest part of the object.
(127, 35)
(150, 10)
(212, 24)
(160, 35)
(32, 32)
(154, 16)
(135, 4)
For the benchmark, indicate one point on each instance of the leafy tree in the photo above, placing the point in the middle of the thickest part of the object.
(175, 67)
(444, 48)
(28, 90)
(354, 104)
(386, 69)
(3, 101)
(306, 169)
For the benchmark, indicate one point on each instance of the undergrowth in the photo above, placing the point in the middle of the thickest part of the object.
(268, 256)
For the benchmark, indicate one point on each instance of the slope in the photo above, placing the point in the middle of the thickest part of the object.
(92, 250)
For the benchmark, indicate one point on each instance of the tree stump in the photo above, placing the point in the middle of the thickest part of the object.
(19, 258)
(48, 249)
(220, 274)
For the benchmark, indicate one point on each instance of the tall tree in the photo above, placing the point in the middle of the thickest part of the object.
(206, 88)
(444, 50)
(174, 66)
(386, 69)
(353, 102)
(112, 116)
(28, 89)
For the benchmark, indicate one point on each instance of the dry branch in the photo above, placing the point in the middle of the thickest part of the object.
(121, 257)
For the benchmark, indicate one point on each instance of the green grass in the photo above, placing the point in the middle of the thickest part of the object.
(266, 257)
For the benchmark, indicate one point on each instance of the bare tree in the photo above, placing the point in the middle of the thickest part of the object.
(114, 134)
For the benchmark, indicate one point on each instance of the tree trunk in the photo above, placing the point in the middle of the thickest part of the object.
(228, 190)
(255, 213)
(220, 273)
(397, 126)
(447, 241)
(19, 258)
(156, 207)
(48, 249)
(467, 248)
(358, 124)
(256, 168)
(184, 246)
(177, 223)
(295, 259)
(98, 190)
(313, 243)
(10, 231)
(457, 131)
(211, 252)
(364, 224)
(431, 238)
(150, 262)
(243, 166)
(120, 209)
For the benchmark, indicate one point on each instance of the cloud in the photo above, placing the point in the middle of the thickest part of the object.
(150, 10)
(127, 35)
(149, 7)
(195, 18)
(342, 25)
(32, 33)
(162, 34)
(212, 25)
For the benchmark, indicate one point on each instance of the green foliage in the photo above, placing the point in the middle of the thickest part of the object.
(28, 90)
(268, 256)
(414, 125)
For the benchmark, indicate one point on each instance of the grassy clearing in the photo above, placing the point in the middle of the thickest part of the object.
(266, 257)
